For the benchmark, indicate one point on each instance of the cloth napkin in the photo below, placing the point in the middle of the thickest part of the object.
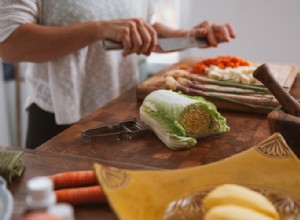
(11, 165)
(142, 194)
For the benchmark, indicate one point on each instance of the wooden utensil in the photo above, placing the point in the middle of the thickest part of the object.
(284, 119)
(288, 103)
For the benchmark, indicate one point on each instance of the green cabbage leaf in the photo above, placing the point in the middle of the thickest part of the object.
(179, 120)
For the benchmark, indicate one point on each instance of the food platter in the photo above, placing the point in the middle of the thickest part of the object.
(6, 201)
(285, 74)
(191, 207)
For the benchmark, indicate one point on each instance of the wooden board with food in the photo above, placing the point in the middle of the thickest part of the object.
(227, 81)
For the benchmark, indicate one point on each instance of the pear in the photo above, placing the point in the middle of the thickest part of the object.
(237, 195)
(233, 212)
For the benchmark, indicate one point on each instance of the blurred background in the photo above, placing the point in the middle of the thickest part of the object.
(268, 31)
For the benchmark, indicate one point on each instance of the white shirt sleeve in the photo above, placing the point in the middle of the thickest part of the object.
(14, 13)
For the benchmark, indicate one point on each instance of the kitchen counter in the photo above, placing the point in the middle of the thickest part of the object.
(67, 151)
(246, 130)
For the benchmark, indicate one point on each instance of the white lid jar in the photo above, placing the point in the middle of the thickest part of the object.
(40, 193)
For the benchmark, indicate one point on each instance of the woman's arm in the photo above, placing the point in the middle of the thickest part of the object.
(36, 43)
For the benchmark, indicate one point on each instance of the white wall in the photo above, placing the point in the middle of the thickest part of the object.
(4, 126)
(8, 111)
(11, 99)
(268, 30)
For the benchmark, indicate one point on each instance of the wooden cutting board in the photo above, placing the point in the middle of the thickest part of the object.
(285, 74)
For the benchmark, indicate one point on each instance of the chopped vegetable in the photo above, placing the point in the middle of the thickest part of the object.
(199, 68)
(221, 62)
(74, 178)
(81, 195)
(178, 120)
(242, 74)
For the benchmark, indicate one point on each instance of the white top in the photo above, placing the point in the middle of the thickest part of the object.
(75, 85)
(40, 194)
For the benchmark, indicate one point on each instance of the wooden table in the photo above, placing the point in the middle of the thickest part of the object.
(38, 163)
(66, 151)
(246, 131)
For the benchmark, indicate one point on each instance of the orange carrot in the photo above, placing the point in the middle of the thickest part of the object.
(220, 61)
(199, 68)
(73, 178)
(81, 195)
(221, 65)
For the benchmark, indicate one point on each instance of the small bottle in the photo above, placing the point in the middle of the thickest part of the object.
(40, 194)
(41, 202)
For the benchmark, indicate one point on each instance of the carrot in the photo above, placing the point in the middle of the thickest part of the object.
(81, 195)
(221, 61)
(221, 65)
(244, 63)
(231, 64)
(73, 178)
(199, 68)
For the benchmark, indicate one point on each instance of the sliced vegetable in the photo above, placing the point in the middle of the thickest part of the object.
(178, 120)
(221, 61)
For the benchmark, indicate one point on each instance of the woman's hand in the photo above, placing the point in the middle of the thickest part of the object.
(135, 34)
(214, 33)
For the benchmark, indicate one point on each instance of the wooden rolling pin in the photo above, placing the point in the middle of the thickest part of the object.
(288, 103)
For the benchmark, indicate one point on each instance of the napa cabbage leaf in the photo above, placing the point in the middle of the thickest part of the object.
(179, 120)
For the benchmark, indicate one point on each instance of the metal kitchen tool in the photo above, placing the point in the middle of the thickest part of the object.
(123, 130)
(165, 44)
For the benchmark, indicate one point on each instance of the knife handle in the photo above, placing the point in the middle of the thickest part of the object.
(111, 45)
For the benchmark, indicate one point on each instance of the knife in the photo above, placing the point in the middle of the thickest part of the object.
(165, 44)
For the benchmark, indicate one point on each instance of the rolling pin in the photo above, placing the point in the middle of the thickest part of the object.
(288, 103)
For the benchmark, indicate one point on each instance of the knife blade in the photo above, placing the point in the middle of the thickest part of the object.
(165, 44)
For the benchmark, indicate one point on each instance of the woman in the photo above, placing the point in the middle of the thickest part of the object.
(70, 74)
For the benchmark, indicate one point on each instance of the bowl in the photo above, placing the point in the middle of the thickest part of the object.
(6, 201)
(191, 207)
(288, 126)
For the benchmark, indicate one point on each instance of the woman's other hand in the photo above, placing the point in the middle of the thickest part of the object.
(136, 35)
(214, 33)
